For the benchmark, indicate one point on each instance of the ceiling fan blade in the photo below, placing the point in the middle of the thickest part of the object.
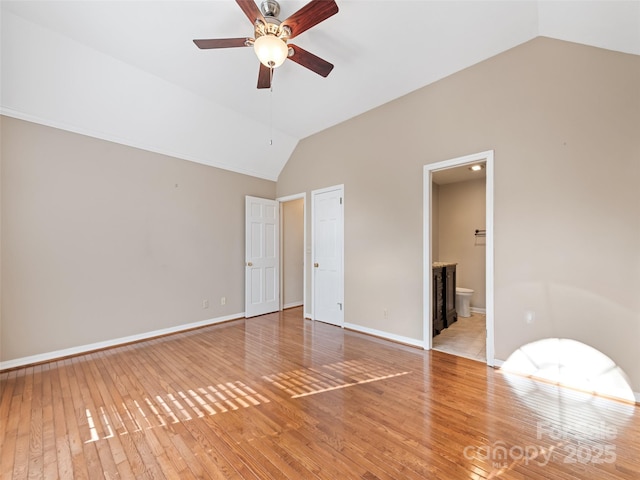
(311, 14)
(251, 10)
(264, 77)
(310, 61)
(222, 43)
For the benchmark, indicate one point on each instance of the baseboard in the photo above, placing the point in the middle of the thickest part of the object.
(386, 335)
(68, 352)
(483, 311)
(292, 305)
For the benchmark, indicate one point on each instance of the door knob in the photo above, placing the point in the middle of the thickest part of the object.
(316, 265)
(249, 264)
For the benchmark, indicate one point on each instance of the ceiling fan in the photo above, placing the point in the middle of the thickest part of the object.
(272, 35)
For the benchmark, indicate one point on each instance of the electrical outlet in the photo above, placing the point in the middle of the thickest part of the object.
(223, 300)
(205, 303)
(385, 313)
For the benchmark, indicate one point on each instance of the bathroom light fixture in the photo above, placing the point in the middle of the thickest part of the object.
(271, 50)
(476, 168)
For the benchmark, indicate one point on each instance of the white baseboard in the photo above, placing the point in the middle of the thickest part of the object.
(67, 352)
(386, 335)
(292, 305)
(483, 311)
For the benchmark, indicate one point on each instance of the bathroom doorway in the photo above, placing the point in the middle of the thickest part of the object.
(459, 230)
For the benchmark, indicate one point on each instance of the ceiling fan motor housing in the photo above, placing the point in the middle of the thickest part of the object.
(270, 8)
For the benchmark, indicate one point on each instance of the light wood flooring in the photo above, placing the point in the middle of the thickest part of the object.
(279, 397)
(465, 338)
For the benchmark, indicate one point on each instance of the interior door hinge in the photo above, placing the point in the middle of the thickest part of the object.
(340, 306)
(340, 200)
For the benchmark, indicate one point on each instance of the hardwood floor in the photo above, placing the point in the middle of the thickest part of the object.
(279, 397)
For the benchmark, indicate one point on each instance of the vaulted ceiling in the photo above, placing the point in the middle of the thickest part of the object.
(128, 71)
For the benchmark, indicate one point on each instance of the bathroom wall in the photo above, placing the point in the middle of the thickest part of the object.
(462, 210)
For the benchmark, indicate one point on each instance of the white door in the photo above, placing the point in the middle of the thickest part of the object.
(328, 255)
(262, 257)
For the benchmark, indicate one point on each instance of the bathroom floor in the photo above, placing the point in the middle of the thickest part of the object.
(465, 338)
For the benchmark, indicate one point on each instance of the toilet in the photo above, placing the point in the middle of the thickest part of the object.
(463, 301)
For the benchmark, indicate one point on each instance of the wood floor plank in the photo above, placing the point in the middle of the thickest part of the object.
(49, 456)
(21, 465)
(36, 452)
(7, 387)
(11, 420)
(72, 435)
(280, 397)
(62, 448)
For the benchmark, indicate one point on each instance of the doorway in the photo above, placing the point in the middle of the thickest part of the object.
(324, 301)
(480, 322)
(293, 251)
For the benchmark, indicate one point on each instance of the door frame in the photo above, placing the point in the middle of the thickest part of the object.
(486, 157)
(281, 200)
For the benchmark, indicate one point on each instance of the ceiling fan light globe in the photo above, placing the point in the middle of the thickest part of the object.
(271, 50)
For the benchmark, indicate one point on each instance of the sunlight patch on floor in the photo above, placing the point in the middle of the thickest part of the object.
(572, 364)
(133, 416)
(310, 381)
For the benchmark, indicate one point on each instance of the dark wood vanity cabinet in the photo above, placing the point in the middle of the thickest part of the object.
(450, 314)
(444, 297)
(438, 300)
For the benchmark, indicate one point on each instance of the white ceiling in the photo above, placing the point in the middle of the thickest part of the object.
(127, 71)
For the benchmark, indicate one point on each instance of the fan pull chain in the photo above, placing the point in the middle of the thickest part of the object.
(271, 106)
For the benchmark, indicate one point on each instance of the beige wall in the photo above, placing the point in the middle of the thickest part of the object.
(462, 210)
(292, 252)
(102, 241)
(563, 120)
